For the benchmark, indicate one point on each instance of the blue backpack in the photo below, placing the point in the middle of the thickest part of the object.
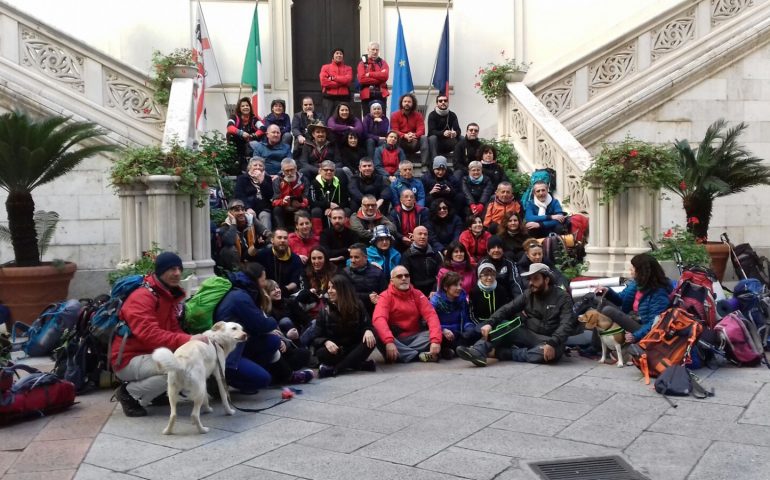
(547, 175)
(754, 304)
(46, 331)
(106, 322)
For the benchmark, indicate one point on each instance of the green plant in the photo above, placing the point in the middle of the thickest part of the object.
(568, 266)
(143, 266)
(162, 66)
(628, 163)
(194, 168)
(492, 82)
(509, 160)
(45, 227)
(215, 145)
(720, 166)
(677, 240)
(33, 153)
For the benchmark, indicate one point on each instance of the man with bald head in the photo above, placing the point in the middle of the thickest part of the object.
(422, 261)
(398, 320)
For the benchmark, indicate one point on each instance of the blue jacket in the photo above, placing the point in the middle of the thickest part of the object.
(531, 213)
(652, 303)
(375, 257)
(454, 315)
(401, 184)
(273, 154)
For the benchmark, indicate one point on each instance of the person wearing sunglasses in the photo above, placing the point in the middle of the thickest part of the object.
(443, 128)
(466, 150)
(406, 325)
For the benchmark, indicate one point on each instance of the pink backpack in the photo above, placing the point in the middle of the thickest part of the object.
(740, 339)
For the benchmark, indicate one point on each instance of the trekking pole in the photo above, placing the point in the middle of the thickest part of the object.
(726, 240)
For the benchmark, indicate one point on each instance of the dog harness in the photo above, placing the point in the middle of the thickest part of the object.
(612, 331)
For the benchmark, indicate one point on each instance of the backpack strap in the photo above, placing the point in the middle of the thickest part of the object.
(698, 391)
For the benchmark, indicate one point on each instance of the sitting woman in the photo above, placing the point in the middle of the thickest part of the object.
(376, 128)
(293, 321)
(278, 116)
(344, 122)
(349, 153)
(303, 239)
(318, 272)
(447, 226)
(643, 299)
(477, 190)
(457, 260)
(487, 155)
(475, 237)
(487, 296)
(387, 157)
(381, 252)
(533, 253)
(243, 127)
(255, 190)
(344, 338)
(513, 234)
(451, 305)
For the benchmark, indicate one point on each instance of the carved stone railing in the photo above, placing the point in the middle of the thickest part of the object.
(50, 70)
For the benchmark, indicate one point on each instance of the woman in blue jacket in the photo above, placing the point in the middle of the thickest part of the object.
(451, 305)
(643, 299)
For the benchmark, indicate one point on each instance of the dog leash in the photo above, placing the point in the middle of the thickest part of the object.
(286, 395)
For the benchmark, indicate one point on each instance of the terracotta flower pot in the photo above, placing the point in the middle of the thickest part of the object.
(719, 252)
(27, 290)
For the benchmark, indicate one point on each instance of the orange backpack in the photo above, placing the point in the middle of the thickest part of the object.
(668, 343)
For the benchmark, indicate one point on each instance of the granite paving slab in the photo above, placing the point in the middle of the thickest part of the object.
(713, 429)
(92, 472)
(48, 456)
(386, 392)
(526, 423)
(244, 472)
(758, 412)
(731, 460)
(530, 447)
(122, 454)
(665, 456)
(339, 439)
(148, 429)
(568, 393)
(467, 463)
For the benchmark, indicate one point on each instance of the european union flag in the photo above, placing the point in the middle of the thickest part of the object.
(402, 74)
(441, 75)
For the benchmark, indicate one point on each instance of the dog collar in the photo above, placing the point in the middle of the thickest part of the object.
(612, 331)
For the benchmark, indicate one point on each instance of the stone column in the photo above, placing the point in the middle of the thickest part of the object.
(134, 237)
(163, 212)
(201, 242)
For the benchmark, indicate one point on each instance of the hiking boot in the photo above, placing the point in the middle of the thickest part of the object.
(472, 355)
(302, 376)
(427, 357)
(131, 406)
(160, 401)
(447, 354)
(326, 371)
(368, 366)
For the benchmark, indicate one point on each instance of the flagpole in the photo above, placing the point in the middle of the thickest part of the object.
(435, 62)
(213, 55)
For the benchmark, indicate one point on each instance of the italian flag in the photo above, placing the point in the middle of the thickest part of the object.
(252, 66)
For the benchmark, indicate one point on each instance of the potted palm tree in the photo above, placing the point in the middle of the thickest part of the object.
(719, 167)
(32, 153)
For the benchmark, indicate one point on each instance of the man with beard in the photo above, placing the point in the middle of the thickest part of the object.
(240, 236)
(289, 194)
(338, 238)
(466, 150)
(300, 123)
(422, 261)
(373, 72)
(443, 128)
(368, 182)
(368, 280)
(398, 320)
(507, 271)
(367, 218)
(532, 328)
(406, 217)
(328, 191)
(316, 150)
(280, 263)
(410, 126)
(273, 150)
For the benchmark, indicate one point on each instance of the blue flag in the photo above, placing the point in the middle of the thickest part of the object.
(402, 74)
(441, 75)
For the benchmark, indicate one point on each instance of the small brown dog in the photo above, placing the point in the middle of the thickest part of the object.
(612, 335)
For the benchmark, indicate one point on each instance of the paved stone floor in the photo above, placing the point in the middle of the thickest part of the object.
(419, 421)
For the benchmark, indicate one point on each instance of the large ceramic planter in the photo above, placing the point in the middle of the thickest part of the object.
(27, 290)
(719, 252)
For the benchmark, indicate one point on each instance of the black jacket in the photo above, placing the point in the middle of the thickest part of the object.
(423, 265)
(429, 180)
(330, 326)
(337, 243)
(483, 305)
(255, 197)
(437, 124)
(477, 193)
(465, 153)
(508, 275)
(322, 194)
(367, 280)
(376, 185)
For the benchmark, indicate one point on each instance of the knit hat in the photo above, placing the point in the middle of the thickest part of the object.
(494, 241)
(381, 231)
(439, 162)
(537, 268)
(236, 203)
(166, 260)
(486, 266)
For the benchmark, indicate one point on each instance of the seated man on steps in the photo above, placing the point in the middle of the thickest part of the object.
(532, 328)
(399, 322)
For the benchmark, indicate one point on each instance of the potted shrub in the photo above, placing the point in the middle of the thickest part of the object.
(493, 79)
(719, 167)
(33, 153)
(677, 245)
(630, 163)
(177, 64)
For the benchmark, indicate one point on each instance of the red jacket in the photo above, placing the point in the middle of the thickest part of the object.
(378, 71)
(403, 310)
(282, 188)
(343, 76)
(302, 246)
(476, 246)
(401, 123)
(153, 321)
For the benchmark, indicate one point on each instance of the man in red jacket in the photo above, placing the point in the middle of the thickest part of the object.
(336, 78)
(152, 313)
(373, 73)
(410, 126)
(398, 322)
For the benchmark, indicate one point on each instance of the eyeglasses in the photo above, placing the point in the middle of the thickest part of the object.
(443, 207)
(401, 276)
(442, 100)
(368, 205)
(473, 130)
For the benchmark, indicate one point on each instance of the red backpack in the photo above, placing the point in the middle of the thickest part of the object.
(34, 395)
(695, 293)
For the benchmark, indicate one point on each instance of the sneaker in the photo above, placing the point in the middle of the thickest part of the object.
(427, 357)
(302, 376)
(472, 355)
(368, 366)
(447, 354)
(326, 371)
(131, 406)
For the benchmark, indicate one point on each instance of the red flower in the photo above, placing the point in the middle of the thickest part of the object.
(477, 84)
(481, 71)
(682, 186)
(633, 153)
(669, 233)
(204, 185)
(693, 221)
(494, 69)
(213, 154)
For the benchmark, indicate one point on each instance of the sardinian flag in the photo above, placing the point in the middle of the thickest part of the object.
(202, 56)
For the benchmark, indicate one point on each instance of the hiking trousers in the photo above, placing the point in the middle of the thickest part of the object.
(145, 379)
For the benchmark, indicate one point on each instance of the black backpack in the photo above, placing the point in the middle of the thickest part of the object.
(747, 263)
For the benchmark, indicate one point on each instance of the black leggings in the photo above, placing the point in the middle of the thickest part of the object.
(629, 323)
(349, 357)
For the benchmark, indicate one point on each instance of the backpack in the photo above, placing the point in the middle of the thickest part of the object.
(679, 381)
(754, 304)
(668, 342)
(35, 395)
(578, 226)
(740, 340)
(748, 264)
(547, 175)
(46, 331)
(105, 323)
(695, 293)
(199, 309)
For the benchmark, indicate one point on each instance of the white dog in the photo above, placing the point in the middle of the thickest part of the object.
(612, 335)
(194, 362)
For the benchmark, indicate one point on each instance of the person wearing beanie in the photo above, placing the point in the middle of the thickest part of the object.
(440, 183)
(151, 312)
(443, 128)
(376, 127)
(532, 328)
(507, 271)
(487, 295)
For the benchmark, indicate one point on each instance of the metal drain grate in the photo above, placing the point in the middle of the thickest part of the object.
(589, 468)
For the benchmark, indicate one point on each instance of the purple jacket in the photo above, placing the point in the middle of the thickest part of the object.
(341, 128)
(375, 130)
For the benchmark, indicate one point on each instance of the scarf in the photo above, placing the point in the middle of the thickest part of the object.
(441, 113)
(486, 289)
(458, 266)
(541, 206)
(477, 181)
